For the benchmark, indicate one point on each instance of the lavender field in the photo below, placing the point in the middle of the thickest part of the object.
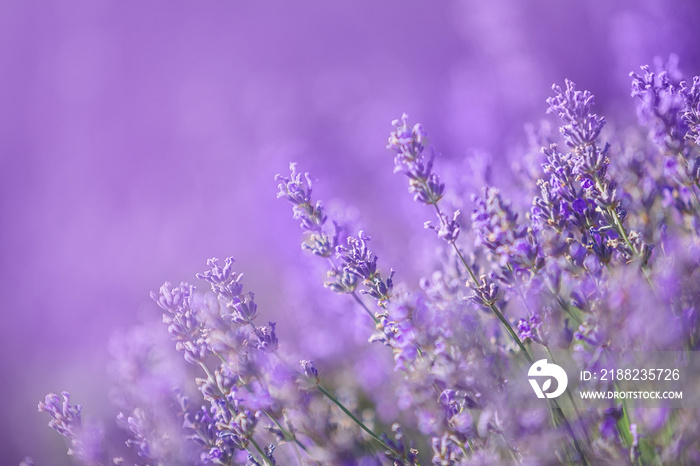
(366, 233)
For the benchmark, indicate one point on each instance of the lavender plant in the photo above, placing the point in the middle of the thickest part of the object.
(604, 261)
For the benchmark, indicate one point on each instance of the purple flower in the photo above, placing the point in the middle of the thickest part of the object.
(530, 329)
(579, 206)
(267, 339)
(497, 227)
(66, 419)
(608, 427)
(408, 146)
(181, 320)
(581, 127)
(662, 103)
(558, 276)
(141, 429)
(309, 369)
(406, 142)
(297, 190)
(447, 229)
(400, 452)
(309, 380)
(486, 292)
(359, 261)
(223, 280)
(691, 109)
(445, 450)
(269, 457)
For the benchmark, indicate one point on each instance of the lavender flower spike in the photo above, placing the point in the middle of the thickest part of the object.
(297, 190)
(422, 181)
(361, 263)
(406, 142)
(181, 320)
(574, 108)
(223, 280)
(310, 379)
(691, 112)
(408, 146)
(662, 103)
(66, 419)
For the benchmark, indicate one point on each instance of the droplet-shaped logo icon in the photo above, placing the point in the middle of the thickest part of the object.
(541, 369)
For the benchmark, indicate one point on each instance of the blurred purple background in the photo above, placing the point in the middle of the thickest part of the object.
(138, 139)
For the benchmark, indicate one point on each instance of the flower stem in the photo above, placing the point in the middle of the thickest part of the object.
(358, 299)
(364, 306)
(260, 451)
(557, 409)
(620, 229)
(357, 421)
(492, 306)
(571, 398)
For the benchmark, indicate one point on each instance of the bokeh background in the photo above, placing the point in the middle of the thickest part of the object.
(138, 139)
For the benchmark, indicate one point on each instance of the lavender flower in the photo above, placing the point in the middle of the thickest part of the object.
(662, 103)
(66, 419)
(497, 228)
(408, 145)
(691, 109)
(406, 454)
(360, 262)
(669, 107)
(581, 126)
(181, 321)
(297, 190)
(529, 329)
(309, 369)
(556, 279)
(138, 425)
(267, 339)
(593, 206)
(223, 280)
(269, 457)
(423, 182)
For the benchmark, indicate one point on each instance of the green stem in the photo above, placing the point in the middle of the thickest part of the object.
(507, 325)
(263, 457)
(288, 435)
(471, 447)
(620, 228)
(464, 450)
(623, 425)
(364, 306)
(492, 306)
(516, 460)
(567, 309)
(560, 413)
(357, 421)
(571, 399)
(221, 394)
